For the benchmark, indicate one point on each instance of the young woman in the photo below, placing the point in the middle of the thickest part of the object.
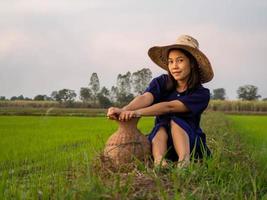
(177, 99)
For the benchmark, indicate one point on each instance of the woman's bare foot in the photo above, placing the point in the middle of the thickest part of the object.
(160, 163)
(183, 163)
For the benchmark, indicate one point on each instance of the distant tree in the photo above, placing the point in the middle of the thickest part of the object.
(264, 99)
(13, 98)
(85, 94)
(3, 98)
(39, 97)
(94, 85)
(248, 92)
(67, 95)
(218, 94)
(140, 80)
(103, 98)
(113, 94)
(42, 97)
(64, 95)
(124, 83)
(104, 92)
(54, 96)
(20, 97)
(124, 94)
(27, 98)
(48, 98)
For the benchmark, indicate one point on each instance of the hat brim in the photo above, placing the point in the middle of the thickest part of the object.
(158, 55)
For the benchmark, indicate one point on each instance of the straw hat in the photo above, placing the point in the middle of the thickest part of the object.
(159, 55)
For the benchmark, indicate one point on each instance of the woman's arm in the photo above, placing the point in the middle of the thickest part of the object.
(154, 110)
(138, 102)
(162, 108)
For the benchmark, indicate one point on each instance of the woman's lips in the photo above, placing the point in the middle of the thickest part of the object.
(177, 73)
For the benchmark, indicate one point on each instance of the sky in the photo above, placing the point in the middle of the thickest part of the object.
(48, 45)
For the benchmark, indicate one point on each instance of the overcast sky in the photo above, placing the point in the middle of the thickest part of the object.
(48, 45)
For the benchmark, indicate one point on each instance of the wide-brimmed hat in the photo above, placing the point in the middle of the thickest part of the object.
(159, 55)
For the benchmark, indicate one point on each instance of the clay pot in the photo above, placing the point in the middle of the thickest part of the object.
(127, 144)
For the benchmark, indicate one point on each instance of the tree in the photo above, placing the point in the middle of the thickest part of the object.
(103, 98)
(218, 94)
(140, 80)
(113, 94)
(20, 97)
(124, 94)
(48, 98)
(124, 83)
(13, 98)
(85, 94)
(2, 98)
(67, 95)
(248, 92)
(94, 85)
(64, 95)
(54, 96)
(41, 97)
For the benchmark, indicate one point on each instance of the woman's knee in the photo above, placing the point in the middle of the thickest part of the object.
(176, 128)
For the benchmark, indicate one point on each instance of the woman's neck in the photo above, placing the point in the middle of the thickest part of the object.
(182, 86)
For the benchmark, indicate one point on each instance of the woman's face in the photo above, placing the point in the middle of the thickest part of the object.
(179, 65)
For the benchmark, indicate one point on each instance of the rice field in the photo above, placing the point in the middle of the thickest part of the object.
(49, 157)
(253, 130)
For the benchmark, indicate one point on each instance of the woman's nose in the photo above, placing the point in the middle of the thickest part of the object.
(175, 64)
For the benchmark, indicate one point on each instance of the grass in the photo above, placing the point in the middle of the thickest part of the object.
(254, 132)
(53, 111)
(238, 106)
(30, 107)
(54, 158)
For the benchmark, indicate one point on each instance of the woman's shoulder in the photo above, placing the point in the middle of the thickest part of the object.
(200, 89)
(162, 77)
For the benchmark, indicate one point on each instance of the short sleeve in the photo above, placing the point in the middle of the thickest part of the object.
(157, 87)
(196, 101)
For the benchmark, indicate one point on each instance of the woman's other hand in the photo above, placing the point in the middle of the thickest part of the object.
(113, 113)
(127, 115)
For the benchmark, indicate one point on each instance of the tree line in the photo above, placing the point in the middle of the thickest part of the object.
(246, 92)
(127, 86)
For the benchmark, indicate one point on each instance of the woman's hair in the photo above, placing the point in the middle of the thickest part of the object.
(194, 76)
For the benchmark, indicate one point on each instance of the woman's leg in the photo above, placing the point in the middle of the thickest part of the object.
(180, 142)
(159, 147)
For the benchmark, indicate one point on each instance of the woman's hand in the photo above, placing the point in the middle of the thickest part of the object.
(113, 113)
(127, 115)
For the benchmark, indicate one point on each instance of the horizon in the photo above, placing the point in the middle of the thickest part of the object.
(77, 98)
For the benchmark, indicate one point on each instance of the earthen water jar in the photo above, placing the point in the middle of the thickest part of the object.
(127, 144)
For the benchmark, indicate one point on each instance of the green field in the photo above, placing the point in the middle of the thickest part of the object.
(51, 158)
(253, 130)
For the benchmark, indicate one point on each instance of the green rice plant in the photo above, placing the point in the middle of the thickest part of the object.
(58, 158)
